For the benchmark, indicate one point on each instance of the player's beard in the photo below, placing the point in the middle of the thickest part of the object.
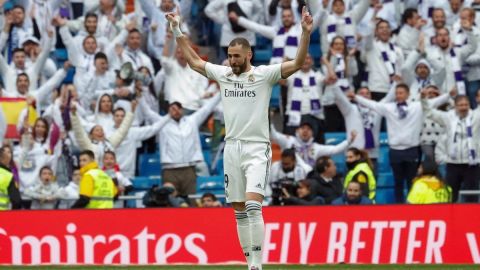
(239, 69)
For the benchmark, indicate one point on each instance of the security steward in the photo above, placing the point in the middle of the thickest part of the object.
(97, 189)
(360, 170)
(9, 194)
(429, 187)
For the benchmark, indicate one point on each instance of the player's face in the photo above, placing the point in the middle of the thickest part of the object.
(238, 58)
(438, 18)
(338, 7)
(443, 38)
(305, 133)
(287, 18)
(462, 107)
(422, 71)
(364, 92)
(383, 31)
(353, 191)
(401, 95)
(109, 161)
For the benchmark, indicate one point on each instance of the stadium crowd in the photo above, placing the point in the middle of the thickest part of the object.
(91, 87)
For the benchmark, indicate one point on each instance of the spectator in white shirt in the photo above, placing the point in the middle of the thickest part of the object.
(472, 63)
(384, 60)
(307, 150)
(340, 66)
(284, 38)
(404, 142)
(44, 192)
(217, 11)
(390, 10)
(304, 100)
(444, 55)
(32, 48)
(285, 169)
(182, 84)
(9, 72)
(462, 126)
(133, 53)
(439, 21)
(90, 29)
(339, 22)
(453, 11)
(410, 31)
(18, 29)
(180, 148)
(112, 168)
(100, 82)
(70, 193)
(127, 150)
(274, 10)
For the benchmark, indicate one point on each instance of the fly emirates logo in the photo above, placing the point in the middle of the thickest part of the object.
(239, 92)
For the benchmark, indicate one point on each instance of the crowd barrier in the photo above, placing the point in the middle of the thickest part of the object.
(430, 234)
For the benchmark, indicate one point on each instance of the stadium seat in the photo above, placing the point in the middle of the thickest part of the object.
(263, 43)
(210, 184)
(385, 196)
(207, 155)
(145, 183)
(262, 56)
(61, 55)
(315, 51)
(205, 140)
(385, 180)
(275, 98)
(333, 138)
(149, 164)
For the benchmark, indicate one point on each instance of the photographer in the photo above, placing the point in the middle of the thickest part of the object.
(165, 196)
(304, 195)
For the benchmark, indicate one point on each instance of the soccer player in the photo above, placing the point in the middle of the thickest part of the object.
(245, 91)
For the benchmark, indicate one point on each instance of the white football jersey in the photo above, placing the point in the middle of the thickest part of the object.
(245, 100)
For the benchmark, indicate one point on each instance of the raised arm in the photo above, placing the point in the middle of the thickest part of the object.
(42, 93)
(378, 107)
(42, 58)
(359, 10)
(200, 115)
(342, 101)
(292, 66)
(67, 39)
(440, 117)
(194, 61)
(264, 30)
(283, 140)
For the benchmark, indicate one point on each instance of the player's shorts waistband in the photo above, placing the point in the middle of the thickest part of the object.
(236, 141)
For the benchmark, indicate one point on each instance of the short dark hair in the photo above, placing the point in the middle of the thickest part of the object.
(176, 103)
(89, 37)
(240, 41)
(119, 109)
(134, 30)
(23, 74)
(91, 15)
(322, 164)
(408, 14)
(289, 152)
(100, 55)
(46, 167)
(404, 86)
(209, 195)
(20, 7)
(459, 98)
(17, 50)
(88, 153)
(381, 21)
(110, 152)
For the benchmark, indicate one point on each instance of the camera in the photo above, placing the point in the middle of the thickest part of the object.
(277, 193)
(158, 197)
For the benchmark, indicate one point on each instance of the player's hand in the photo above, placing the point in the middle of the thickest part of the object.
(307, 21)
(173, 18)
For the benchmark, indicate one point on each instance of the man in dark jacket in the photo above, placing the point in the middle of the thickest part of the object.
(328, 184)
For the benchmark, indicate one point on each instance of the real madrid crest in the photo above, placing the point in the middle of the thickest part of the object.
(251, 78)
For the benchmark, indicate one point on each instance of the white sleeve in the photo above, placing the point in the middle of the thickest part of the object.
(273, 73)
(213, 71)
